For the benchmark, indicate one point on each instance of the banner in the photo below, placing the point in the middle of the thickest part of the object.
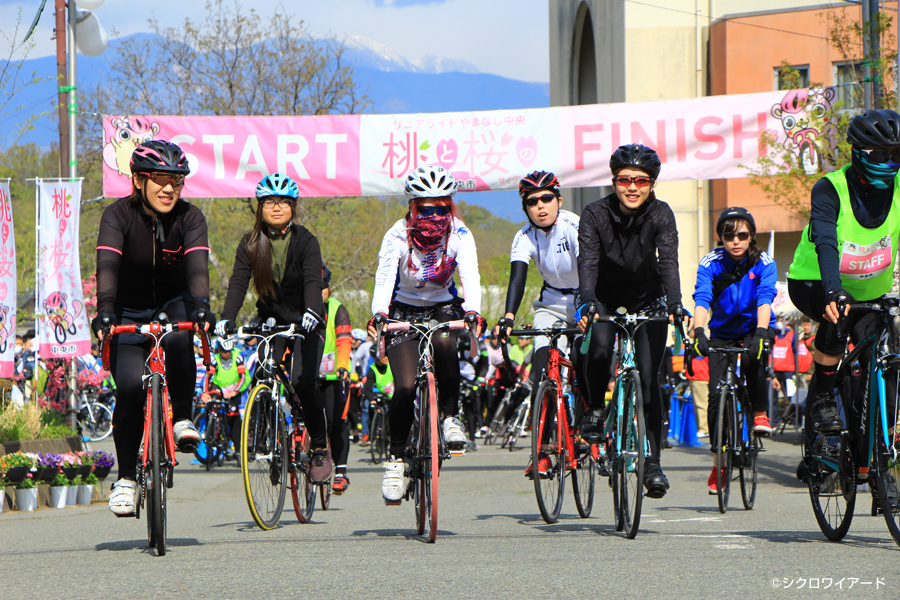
(8, 289)
(715, 137)
(64, 331)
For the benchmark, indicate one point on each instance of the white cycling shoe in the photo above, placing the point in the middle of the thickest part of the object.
(121, 499)
(393, 486)
(187, 438)
(454, 436)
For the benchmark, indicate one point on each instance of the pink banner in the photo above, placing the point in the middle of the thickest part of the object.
(697, 138)
(229, 155)
(63, 330)
(8, 287)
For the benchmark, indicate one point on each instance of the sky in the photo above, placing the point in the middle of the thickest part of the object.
(503, 37)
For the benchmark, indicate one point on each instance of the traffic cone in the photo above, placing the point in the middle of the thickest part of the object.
(688, 426)
(675, 418)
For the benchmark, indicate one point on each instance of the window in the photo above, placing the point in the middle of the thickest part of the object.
(787, 83)
(849, 92)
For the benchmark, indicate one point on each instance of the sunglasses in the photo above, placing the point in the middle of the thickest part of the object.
(742, 236)
(163, 179)
(639, 182)
(545, 198)
(432, 211)
(274, 201)
(883, 155)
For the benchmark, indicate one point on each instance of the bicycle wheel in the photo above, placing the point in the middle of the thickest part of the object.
(548, 488)
(831, 479)
(101, 426)
(583, 481)
(428, 452)
(303, 492)
(324, 495)
(376, 438)
(887, 474)
(156, 492)
(749, 470)
(725, 448)
(631, 460)
(264, 463)
(497, 427)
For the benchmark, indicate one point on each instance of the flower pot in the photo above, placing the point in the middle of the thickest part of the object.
(26, 499)
(47, 474)
(71, 495)
(17, 474)
(58, 496)
(85, 470)
(2, 499)
(102, 472)
(85, 492)
(70, 472)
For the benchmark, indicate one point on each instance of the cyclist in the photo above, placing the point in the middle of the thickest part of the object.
(848, 251)
(414, 280)
(152, 257)
(735, 288)
(334, 379)
(550, 239)
(628, 258)
(285, 263)
(229, 377)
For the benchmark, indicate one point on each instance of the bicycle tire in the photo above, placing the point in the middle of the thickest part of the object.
(498, 423)
(548, 490)
(303, 492)
(634, 446)
(725, 446)
(832, 486)
(101, 427)
(583, 483)
(264, 463)
(376, 438)
(157, 492)
(887, 477)
(425, 490)
(434, 447)
(749, 470)
(324, 495)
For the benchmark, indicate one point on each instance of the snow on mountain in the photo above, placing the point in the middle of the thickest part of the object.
(366, 52)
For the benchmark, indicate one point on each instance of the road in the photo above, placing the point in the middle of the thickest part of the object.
(492, 542)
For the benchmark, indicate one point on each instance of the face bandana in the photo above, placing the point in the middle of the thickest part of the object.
(880, 175)
(428, 232)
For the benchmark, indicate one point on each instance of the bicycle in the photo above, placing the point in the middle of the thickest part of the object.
(733, 447)
(269, 455)
(212, 423)
(625, 443)
(379, 430)
(94, 418)
(427, 450)
(866, 449)
(156, 458)
(564, 447)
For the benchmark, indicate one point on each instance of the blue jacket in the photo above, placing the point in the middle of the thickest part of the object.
(733, 314)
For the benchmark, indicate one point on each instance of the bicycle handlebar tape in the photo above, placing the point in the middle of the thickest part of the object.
(688, 425)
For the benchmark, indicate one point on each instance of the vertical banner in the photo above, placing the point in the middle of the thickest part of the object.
(64, 332)
(8, 289)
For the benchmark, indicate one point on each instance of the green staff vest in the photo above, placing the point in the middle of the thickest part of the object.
(867, 256)
(384, 381)
(224, 377)
(328, 367)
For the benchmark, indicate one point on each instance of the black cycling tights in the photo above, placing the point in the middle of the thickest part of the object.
(126, 361)
(304, 359)
(336, 400)
(649, 347)
(404, 358)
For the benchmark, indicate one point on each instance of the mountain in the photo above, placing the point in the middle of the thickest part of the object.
(393, 84)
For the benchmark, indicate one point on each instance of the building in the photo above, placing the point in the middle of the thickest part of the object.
(622, 51)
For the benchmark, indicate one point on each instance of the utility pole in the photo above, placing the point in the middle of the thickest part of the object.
(62, 86)
(875, 50)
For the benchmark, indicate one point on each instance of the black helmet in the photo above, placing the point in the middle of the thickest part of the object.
(326, 276)
(874, 129)
(735, 212)
(637, 156)
(159, 156)
(538, 180)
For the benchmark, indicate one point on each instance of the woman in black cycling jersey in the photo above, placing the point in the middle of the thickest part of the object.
(284, 260)
(628, 257)
(152, 256)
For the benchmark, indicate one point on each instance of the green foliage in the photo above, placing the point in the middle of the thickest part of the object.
(60, 480)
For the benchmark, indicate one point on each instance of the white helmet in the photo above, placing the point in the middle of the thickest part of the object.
(224, 345)
(429, 182)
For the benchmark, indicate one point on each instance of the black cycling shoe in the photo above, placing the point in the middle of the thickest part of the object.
(825, 417)
(654, 480)
(592, 426)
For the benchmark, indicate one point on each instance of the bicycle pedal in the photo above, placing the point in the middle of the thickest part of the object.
(461, 452)
(392, 502)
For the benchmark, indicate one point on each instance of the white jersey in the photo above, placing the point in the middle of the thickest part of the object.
(555, 253)
(427, 285)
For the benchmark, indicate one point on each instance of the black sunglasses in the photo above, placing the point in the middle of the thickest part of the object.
(431, 211)
(163, 179)
(742, 236)
(545, 198)
(883, 155)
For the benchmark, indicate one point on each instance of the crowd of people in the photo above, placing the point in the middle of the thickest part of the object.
(621, 253)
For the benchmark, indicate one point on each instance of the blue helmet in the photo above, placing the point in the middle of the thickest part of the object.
(277, 184)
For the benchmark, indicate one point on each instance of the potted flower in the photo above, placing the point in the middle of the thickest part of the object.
(49, 465)
(72, 491)
(70, 464)
(86, 462)
(103, 463)
(17, 466)
(26, 494)
(58, 488)
(86, 490)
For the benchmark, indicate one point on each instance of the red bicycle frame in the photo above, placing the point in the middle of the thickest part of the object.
(564, 429)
